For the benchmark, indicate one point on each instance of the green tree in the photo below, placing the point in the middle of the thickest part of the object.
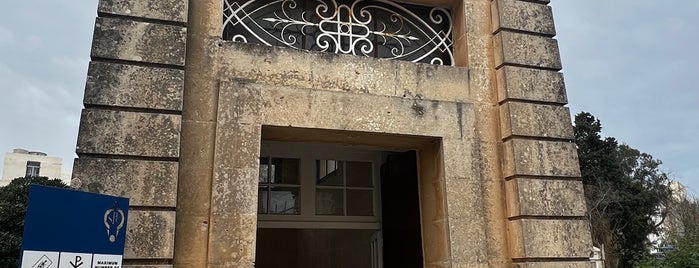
(625, 191)
(13, 208)
(682, 236)
(683, 253)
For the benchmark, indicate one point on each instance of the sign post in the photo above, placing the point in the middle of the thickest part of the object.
(71, 229)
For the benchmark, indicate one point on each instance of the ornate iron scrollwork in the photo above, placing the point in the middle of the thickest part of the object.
(376, 28)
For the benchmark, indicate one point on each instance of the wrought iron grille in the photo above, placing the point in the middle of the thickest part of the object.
(376, 28)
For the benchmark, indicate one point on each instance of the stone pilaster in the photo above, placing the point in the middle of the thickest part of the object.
(545, 200)
(129, 138)
(199, 113)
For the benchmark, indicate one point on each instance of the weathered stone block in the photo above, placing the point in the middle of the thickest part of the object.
(535, 238)
(344, 73)
(146, 266)
(284, 106)
(439, 82)
(146, 183)
(150, 235)
(443, 264)
(232, 240)
(124, 85)
(517, 83)
(235, 191)
(139, 41)
(542, 197)
(525, 49)
(540, 158)
(535, 120)
(129, 133)
(560, 264)
(266, 64)
(523, 16)
(170, 10)
(354, 74)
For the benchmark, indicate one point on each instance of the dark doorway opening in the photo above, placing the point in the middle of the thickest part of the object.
(386, 234)
(400, 213)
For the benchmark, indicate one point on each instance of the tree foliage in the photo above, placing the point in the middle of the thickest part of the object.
(625, 190)
(681, 244)
(13, 208)
(683, 216)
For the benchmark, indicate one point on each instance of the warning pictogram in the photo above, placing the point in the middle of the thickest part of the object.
(39, 259)
(43, 262)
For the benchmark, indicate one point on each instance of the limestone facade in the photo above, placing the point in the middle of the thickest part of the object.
(15, 165)
(174, 117)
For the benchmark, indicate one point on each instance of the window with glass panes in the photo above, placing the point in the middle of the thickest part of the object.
(313, 184)
(33, 169)
(279, 185)
(344, 188)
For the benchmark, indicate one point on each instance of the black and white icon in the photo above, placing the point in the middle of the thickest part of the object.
(75, 260)
(39, 259)
(43, 262)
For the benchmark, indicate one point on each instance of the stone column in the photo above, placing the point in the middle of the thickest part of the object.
(199, 114)
(129, 138)
(545, 202)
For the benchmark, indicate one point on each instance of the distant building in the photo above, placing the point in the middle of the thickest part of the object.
(671, 222)
(25, 163)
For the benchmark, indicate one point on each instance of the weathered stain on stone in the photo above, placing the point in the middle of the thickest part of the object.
(139, 41)
(517, 83)
(169, 10)
(535, 120)
(418, 108)
(335, 72)
(524, 16)
(122, 85)
(128, 133)
(146, 183)
(550, 238)
(528, 50)
(540, 158)
(545, 197)
(150, 235)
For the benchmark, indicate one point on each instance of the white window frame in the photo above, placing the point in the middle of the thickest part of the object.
(308, 153)
(35, 169)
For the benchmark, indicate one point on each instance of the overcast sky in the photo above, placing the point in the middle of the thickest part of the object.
(628, 62)
(631, 63)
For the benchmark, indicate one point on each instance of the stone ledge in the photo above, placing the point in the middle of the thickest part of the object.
(284, 106)
(139, 41)
(282, 66)
(542, 197)
(554, 264)
(146, 266)
(122, 85)
(145, 183)
(517, 83)
(523, 16)
(150, 235)
(534, 238)
(128, 133)
(540, 158)
(535, 120)
(527, 50)
(169, 10)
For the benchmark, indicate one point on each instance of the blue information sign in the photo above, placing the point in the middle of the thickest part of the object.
(68, 228)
